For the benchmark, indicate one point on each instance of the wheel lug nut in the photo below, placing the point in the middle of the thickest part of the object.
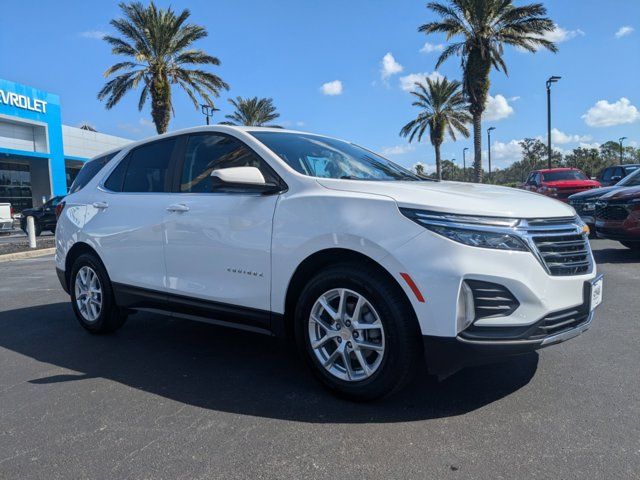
(347, 323)
(349, 344)
(338, 326)
(356, 334)
(339, 340)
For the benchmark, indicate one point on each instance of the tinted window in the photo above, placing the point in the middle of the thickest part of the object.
(89, 170)
(326, 157)
(114, 182)
(205, 153)
(606, 174)
(630, 169)
(148, 166)
(564, 175)
(632, 180)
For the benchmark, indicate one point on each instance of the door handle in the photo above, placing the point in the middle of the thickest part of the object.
(100, 205)
(178, 207)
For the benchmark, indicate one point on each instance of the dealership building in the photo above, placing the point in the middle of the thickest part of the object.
(39, 156)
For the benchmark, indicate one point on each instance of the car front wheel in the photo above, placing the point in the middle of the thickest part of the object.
(357, 332)
(92, 296)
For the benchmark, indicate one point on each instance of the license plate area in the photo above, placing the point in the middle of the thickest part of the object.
(595, 297)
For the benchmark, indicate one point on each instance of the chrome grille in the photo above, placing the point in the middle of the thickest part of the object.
(560, 245)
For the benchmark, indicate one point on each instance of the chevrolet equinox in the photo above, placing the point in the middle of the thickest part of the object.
(367, 266)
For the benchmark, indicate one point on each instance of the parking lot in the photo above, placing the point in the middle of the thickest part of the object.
(173, 398)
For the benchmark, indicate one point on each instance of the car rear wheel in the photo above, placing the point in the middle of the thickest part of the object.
(92, 297)
(632, 245)
(357, 332)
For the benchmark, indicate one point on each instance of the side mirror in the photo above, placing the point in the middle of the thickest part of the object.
(243, 179)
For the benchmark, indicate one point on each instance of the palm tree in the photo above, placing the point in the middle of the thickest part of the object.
(256, 112)
(443, 109)
(158, 43)
(483, 27)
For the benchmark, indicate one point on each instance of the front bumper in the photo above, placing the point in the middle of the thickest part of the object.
(445, 356)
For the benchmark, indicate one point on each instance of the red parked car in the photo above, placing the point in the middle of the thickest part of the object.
(559, 183)
(618, 216)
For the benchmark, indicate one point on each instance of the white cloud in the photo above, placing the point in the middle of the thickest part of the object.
(589, 145)
(624, 31)
(605, 114)
(430, 48)
(398, 149)
(94, 34)
(332, 88)
(407, 83)
(144, 126)
(514, 99)
(504, 154)
(389, 66)
(559, 138)
(497, 108)
(558, 35)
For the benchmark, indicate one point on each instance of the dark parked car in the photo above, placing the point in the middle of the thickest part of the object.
(612, 175)
(585, 202)
(44, 217)
(618, 216)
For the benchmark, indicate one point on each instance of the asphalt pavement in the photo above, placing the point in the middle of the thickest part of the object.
(168, 398)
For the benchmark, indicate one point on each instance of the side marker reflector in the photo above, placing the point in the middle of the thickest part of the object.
(412, 286)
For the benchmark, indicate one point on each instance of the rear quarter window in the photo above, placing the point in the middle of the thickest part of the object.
(90, 170)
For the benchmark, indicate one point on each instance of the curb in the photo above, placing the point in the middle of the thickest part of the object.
(9, 257)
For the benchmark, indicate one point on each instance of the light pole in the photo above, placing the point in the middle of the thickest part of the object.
(552, 79)
(622, 139)
(489, 147)
(464, 163)
(207, 110)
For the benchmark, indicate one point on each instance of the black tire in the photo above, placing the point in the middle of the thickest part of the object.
(111, 317)
(632, 245)
(403, 346)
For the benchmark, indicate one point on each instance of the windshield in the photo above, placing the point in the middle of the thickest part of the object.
(564, 175)
(632, 180)
(325, 157)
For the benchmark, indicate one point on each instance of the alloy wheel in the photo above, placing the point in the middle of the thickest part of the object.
(88, 292)
(346, 335)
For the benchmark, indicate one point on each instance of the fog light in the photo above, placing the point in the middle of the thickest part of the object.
(466, 308)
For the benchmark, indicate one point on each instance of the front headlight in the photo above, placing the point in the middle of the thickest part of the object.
(483, 232)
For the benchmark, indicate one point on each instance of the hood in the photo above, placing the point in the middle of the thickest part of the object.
(592, 194)
(622, 194)
(459, 197)
(572, 183)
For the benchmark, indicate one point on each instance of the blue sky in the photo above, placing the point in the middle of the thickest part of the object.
(289, 49)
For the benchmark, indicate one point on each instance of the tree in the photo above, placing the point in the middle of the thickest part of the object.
(159, 44)
(419, 168)
(254, 111)
(443, 109)
(483, 27)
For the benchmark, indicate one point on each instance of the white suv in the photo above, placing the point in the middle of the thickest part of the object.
(368, 266)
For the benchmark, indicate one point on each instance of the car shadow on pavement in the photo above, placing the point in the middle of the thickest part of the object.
(616, 255)
(234, 371)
